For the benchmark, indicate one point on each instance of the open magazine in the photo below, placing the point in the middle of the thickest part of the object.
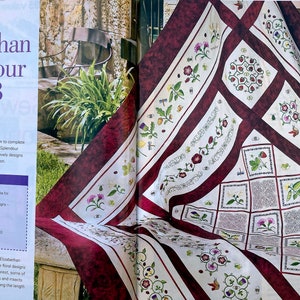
(192, 189)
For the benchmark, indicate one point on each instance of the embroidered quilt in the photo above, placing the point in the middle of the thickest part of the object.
(192, 190)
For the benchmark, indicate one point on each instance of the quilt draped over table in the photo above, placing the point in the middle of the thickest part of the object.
(192, 190)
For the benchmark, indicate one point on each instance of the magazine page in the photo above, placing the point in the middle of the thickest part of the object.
(190, 189)
(18, 107)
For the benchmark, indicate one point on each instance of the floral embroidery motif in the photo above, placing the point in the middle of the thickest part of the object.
(198, 156)
(96, 201)
(289, 112)
(213, 260)
(290, 115)
(147, 278)
(246, 74)
(202, 49)
(277, 30)
(148, 131)
(191, 73)
(266, 225)
(236, 287)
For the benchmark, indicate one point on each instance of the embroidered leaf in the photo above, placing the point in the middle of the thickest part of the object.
(152, 126)
(144, 134)
(160, 111)
(180, 93)
(254, 164)
(169, 110)
(230, 202)
(203, 217)
(112, 193)
(195, 70)
(177, 86)
(171, 96)
(296, 263)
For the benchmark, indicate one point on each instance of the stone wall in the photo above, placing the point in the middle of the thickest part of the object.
(58, 17)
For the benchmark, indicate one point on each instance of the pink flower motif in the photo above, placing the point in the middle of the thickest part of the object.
(145, 283)
(187, 70)
(224, 123)
(212, 267)
(261, 222)
(182, 174)
(93, 198)
(94, 202)
(293, 105)
(296, 116)
(205, 257)
(215, 251)
(284, 107)
(197, 47)
(286, 118)
(222, 259)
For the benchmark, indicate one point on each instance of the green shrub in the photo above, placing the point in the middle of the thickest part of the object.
(84, 103)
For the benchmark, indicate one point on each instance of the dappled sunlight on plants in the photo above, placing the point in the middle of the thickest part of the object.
(84, 103)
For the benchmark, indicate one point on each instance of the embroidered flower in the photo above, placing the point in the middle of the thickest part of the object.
(289, 112)
(213, 259)
(182, 174)
(224, 123)
(93, 198)
(187, 70)
(266, 224)
(145, 283)
(144, 127)
(95, 201)
(197, 158)
(202, 49)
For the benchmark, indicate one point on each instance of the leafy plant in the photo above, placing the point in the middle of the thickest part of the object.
(85, 102)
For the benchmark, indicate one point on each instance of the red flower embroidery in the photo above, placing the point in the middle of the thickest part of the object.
(197, 158)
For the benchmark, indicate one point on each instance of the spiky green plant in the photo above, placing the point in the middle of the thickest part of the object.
(85, 102)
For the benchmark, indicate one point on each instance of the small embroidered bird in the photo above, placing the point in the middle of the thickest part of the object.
(214, 285)
(295, 131)
(239, 4)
